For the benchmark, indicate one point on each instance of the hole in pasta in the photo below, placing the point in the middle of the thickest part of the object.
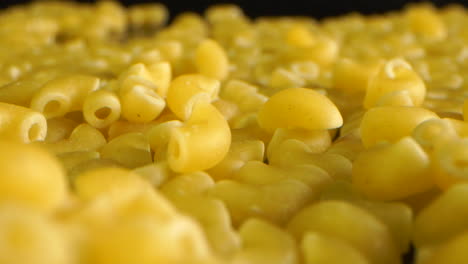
(103, 112)
(34, 132)
(52, 106)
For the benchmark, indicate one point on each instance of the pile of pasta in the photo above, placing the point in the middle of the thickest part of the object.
(220, 139)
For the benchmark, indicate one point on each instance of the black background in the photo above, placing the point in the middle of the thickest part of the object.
(315, 8)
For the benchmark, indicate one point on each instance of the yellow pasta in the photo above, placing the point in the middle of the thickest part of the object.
(384, 123)
(101, 108)
(131, 150)
(202, 142)
(21, 124)
(83, 138)
(395, 75)
(299, 108)
(216, 138)
(265, 243)
(29, 237)
(358, 233)
(39, 183)
(108, 181)
(186, 90)
(436, 223)
(318, 248)
(64, 94)
(211, 60)
(391, 172)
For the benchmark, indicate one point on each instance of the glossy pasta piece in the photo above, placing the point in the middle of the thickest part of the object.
(443, 218)
(299, 108)
(21, 124)
(211, 60)
(101, 108)
(201, 143)
(448, 164)
(352, 76)
(395, 75)
(64, 94)
(158, 137)
(31, 176)
(393, 171)
(141, 104)
(397, 216)
(186, 90)
(385, 123)
(433, 132)
(265, 243)
(368, 235)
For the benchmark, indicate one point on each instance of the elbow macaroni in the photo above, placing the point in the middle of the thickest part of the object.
(220, 139)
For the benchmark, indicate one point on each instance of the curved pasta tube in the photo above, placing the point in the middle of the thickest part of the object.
(158, 138)
(21, 124)
(202, 142)
(443, 218)
(385, 123)
(299, 108)
(265, 243)
(64, 94)
(433, 132)
(356, 227)
(101, 108)
(449, 162)
(397, 216)
(186, 90)
(211, 60)
(141, 104)
(395, 75)
(393, 171)
(353, 77)
(39, 183)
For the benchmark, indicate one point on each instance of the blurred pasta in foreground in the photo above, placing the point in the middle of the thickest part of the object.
(221, 139)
